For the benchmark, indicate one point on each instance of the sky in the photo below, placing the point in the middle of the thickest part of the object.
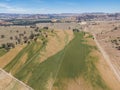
(59, 6)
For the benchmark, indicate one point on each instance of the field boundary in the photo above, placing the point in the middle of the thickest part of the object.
(16, 79)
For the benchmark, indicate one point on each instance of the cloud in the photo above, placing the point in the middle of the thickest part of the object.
(9, 9)
(6, 8)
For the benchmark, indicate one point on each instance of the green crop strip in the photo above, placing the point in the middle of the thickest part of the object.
(72, 62)
(2, 52)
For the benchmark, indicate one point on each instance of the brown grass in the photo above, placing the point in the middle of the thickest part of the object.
(55, 44)
(104, 69)
(107, 74)
(103, 32)
(4, 60)
(74, 84)
(18, 65)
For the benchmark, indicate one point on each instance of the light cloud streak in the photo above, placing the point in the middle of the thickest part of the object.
(12, 9)
(9, 9)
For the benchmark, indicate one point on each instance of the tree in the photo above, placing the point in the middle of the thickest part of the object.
(19, 40)
(11, 38)
(37, 29)
(33, 26)
(16, 37)
(24, 32)
(25, 39)
(10, 45)
(31, 36)
(17, 31)
(2, 36)
(75, 30)
(115, 28)
(35, 39)
(3, 45)
(118, 47)
(45, 28)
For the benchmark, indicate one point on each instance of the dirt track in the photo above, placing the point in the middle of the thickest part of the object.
(8, 82)
(107, 58)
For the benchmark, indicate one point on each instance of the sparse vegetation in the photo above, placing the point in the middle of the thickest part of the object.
(116, 43)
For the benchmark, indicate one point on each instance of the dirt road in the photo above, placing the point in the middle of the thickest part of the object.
(107, 58)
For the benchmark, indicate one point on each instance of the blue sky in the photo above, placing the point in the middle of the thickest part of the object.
(59, 6)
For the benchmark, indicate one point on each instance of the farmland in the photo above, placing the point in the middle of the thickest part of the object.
(8, 82)
(70, 63)
(107, 34)
(59, 45)
(79, 64)
(2, 52)
(52, 59)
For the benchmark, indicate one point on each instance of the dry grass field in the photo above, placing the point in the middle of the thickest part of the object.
(60, 26)
(107, 34)
(11, 33)
(8, 57)
(8, 82)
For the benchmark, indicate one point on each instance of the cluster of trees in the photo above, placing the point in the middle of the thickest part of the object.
(29, 22)
(8, 46)
(118, 47)
(22, 38)
(45, 28)
(76, 30)
(116, 42)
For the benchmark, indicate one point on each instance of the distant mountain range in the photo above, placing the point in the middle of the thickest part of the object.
(28, 19)
(50, 16)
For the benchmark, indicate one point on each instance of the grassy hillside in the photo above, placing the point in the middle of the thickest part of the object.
(31, 50)
(72, 62)
(77, 62)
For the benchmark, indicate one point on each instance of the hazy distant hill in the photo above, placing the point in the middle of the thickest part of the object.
(85, 16)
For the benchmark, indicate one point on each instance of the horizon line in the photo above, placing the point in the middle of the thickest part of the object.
(65, 13)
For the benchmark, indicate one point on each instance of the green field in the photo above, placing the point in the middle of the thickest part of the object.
(78, 63)
(2, 52)
(72, 62)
